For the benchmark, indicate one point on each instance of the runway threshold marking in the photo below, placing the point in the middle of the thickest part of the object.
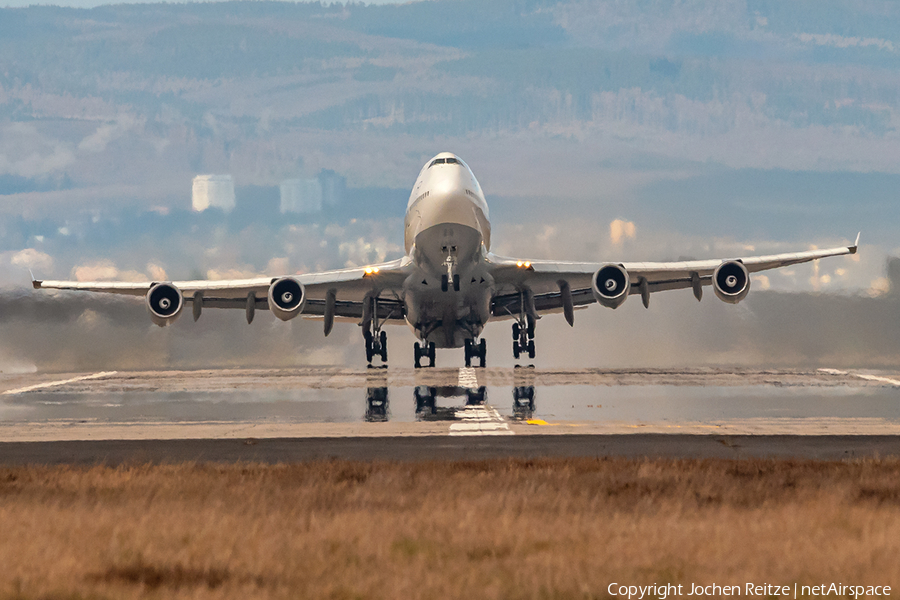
(480, 420)
(832, 371)
(862, 376)
(50, 384)
(877, 378)
(467, 378)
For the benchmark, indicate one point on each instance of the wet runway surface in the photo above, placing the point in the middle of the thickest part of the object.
(684, 412)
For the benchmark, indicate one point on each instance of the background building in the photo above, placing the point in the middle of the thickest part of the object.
(213, 191)
(326, 190)
(334, 188)
(301, 196)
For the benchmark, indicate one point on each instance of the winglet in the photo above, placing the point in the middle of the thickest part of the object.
(855, 247)
(36, 284)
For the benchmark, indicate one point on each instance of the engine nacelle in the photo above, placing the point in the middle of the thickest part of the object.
(731, 281)
(164, 301)
(611, 286)
(287, 297)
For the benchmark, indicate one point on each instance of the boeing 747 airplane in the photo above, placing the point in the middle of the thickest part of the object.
(449, 285)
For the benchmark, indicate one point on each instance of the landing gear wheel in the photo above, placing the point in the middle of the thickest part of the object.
(423, 351)
(523, 337)
(370, 351)
(425, 401)
(375, 338)
(476, 396)
(478, 351)
(456, 283)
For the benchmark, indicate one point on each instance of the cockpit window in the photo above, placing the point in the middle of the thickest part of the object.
(452, 161)
(438, 161)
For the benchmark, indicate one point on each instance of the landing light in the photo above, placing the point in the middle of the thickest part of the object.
(523, 264)
(371, 270)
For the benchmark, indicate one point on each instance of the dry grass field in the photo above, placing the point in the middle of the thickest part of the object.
(544, 529)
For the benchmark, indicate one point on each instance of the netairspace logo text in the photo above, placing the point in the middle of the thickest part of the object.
(637, 592)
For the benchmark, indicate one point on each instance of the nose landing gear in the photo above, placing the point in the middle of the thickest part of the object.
(478, 351)
(450, 263)
(424, 351)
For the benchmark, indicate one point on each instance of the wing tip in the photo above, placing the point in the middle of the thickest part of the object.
(35, 283)
(855, 247)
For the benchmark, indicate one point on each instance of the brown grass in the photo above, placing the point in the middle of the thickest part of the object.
(494, 529)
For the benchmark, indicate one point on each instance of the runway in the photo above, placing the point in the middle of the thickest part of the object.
(295, 414)
(213, 380)
(280, 450)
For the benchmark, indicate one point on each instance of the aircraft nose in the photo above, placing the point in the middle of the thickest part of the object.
(451, 183)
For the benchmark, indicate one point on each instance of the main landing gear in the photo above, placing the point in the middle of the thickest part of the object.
(426, 402)
(478, 351)
(523, 337)
(376, 404)
(424, 351)
(376, 339)
(523, 402)
(376, 345)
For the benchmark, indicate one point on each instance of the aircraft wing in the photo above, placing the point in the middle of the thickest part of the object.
(351, 288)
(544, 281)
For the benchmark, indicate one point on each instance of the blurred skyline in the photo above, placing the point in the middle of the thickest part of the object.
(96, 3)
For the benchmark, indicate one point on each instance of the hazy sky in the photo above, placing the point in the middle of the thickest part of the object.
(600, 131)
(709, 128)
(715, 128)
(93, 3)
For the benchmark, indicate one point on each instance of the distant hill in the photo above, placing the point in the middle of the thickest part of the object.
(688, 114)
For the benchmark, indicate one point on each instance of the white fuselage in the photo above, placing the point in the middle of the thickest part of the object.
(447, 236)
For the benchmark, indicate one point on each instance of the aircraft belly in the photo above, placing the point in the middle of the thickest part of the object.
(448, 317)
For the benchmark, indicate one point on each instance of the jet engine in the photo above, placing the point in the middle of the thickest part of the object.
(731, 281)
(287, 297)
(611, 285)
(164, 301)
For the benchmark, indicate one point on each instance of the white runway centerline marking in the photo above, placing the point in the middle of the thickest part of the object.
(862, 376)
(50, 384)
(480, 420)
(877, 378)
(467, 378)
(833, 371)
